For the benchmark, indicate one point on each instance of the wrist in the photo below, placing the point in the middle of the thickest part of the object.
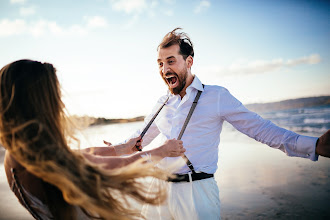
(112, 150)
(120, 149)
(160, 152)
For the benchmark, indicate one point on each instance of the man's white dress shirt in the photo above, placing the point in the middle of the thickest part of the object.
(202, 135)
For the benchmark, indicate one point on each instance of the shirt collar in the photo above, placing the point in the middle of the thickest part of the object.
(196, 84)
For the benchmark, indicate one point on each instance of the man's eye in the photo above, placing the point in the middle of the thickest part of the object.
(160, 64)
(170, 61)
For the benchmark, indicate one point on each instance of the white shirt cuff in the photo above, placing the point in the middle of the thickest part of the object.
(306, 146)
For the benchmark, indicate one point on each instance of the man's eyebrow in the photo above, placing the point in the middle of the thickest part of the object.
(167, 58)
(170, 57)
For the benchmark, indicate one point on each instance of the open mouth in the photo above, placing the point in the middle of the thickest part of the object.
(172, 81)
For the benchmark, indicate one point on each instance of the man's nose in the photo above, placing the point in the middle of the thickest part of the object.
(165, 68)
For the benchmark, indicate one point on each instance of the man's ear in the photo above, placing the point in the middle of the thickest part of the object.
(189, 61)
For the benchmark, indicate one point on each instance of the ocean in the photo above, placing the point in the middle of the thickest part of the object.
(312, 121)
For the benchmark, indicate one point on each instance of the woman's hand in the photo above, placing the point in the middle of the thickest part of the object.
(172, 148)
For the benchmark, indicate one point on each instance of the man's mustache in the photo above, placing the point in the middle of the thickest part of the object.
(171, 73)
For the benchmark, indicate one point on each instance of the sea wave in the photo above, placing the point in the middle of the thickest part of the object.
(309, 129)
(316, 120)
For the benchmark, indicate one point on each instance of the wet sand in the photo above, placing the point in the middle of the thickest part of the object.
(274, 187)
(255, 182)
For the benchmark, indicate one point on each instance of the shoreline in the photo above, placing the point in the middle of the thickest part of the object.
(305, 102)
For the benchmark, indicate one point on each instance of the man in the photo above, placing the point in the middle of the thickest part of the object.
(199, 199)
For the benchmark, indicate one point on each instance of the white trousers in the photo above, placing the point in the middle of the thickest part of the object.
(187, 200)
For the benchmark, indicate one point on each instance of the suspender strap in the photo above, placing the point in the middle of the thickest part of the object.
(192, 108)
(151, 121)
(153, 118)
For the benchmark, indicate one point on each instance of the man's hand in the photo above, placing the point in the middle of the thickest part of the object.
(134, 144)
(128, 147)
(172, 148)
(323, 145)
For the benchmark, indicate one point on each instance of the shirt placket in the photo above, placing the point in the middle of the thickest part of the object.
(178, 119)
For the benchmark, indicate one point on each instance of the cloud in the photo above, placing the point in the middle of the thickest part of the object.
(25, 11)
(15, 27)
(129, 6)
(203, 5)
(17, 1)
(260, 66)
(312, 59)
(134, 8)
(96, 22)
(38, 28)
(41, 27)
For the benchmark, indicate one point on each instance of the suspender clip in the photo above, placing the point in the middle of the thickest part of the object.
(190, 178)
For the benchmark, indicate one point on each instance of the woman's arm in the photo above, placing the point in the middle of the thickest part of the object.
(115, 150)
(171, 148)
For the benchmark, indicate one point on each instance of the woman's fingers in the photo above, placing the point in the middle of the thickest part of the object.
(107, 143)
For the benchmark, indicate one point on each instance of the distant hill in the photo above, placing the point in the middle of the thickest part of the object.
(290, 104)
(85, 121)
(99, 121)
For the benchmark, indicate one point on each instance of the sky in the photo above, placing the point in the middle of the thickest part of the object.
(105, 51)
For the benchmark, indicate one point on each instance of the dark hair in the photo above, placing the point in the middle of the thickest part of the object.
(181, 39)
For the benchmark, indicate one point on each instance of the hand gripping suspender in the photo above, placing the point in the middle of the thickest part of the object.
(192, 108)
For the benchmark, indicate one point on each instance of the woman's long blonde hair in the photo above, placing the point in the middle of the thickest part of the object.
(33, 130)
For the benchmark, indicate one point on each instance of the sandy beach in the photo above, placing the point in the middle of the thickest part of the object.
(255, 182)
(273, 186)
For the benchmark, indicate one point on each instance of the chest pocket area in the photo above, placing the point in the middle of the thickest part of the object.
(165, 119)
(204, 118)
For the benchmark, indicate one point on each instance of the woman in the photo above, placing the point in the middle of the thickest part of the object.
(51, 180)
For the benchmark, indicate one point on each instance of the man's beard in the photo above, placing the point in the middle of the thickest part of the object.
(182, 81)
